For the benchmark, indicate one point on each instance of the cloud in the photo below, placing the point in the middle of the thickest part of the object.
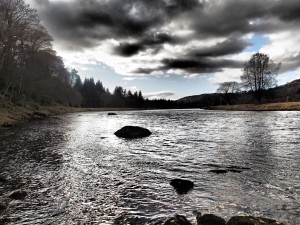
(185, 37)
(158, 95)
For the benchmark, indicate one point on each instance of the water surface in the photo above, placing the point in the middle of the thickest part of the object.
(76, 171)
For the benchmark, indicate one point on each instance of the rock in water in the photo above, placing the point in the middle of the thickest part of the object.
(210, 219)
(111, 114)
(3, 179)
(177, 220)
(130, 132)
(18, 195)
(250, 220)
(182, 186)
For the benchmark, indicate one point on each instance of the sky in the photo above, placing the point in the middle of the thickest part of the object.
(172, 48)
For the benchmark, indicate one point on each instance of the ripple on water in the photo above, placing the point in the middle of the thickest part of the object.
(72, 174)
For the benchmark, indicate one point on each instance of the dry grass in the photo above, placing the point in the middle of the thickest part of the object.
(281, 106)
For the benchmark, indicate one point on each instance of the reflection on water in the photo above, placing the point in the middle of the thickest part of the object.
(76, 171)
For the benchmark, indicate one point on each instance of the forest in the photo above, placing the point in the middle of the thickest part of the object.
(31, 71)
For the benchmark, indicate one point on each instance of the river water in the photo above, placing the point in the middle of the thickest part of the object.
(76, 171)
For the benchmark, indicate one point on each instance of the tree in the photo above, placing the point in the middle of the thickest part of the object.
(228, 89)
(259, 74)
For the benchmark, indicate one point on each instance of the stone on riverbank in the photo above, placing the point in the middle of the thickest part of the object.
(130, 132)
(182, 186)
(7, 125)
(177, 220)
(210, 219)
(250, 220)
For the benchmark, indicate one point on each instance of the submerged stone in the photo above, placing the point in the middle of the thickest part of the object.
(182, 186)
(130, 132)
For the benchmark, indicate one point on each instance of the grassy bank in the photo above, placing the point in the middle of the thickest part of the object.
(281, 106)
(13, 114)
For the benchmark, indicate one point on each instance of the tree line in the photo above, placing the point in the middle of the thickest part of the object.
(29, 67)
(31, 71)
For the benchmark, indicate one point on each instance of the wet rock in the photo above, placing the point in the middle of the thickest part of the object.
(7, 125)
(5, 220)
(111, 114)
(220, 171)
(182, 186)
(210, 219)
(3, 179)
(250, 220)
(18, 195)
(177, 220)
(130, 132)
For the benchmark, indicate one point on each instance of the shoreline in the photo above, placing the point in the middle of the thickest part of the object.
(280, 106)
(11, 115)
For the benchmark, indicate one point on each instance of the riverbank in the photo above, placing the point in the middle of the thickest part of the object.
(281, 106)
(11, 114)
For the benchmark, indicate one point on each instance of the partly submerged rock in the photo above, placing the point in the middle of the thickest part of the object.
(182, 186)
(111, 114)
(18, 195)
(210, 219)
(250, 220)
(132, 132)
(177, 220)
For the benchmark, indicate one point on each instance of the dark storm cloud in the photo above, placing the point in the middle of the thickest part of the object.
(140, 25)
(112, 19)
(227, 47)
(127, 49)
(287, 10)
(204, 65)
(152, 41)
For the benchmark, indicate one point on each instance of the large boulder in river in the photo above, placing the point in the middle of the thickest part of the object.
(177, 220)
(132, 132)
(250, 220)
(210, 219)
(182, 186)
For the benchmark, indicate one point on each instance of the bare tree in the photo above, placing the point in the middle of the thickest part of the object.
(259, 74)
(228, 89)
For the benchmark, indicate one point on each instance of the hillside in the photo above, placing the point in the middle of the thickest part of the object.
(289, 92)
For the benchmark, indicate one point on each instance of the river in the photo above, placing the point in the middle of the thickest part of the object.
(76, 171)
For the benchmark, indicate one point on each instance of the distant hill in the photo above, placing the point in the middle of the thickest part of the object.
(289, 92)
